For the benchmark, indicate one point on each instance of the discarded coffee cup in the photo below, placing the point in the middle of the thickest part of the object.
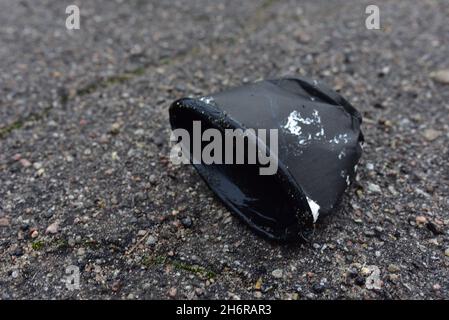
(319, 143)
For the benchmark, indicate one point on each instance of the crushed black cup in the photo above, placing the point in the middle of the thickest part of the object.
(319, 146)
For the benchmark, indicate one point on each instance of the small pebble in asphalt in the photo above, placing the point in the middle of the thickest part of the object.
(186, 222)
(431, 134)
(153, 179)
(277, 273)
(393, 277)
(446, 252)
(421, 220)
(71, 242)
(441, 76)
(372, 188)
(393, 268)
(116, 286)
(25, 163)
(115, 128)
(266, 288)
(227, 220)
(373, 281)
(172, 292)
(258, 284)
(81, 251)
(53, 228)
(37, 165)
(4, 222)
(151, 240)
(436, 287)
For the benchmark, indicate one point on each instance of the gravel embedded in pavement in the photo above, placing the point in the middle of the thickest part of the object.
(84, 145)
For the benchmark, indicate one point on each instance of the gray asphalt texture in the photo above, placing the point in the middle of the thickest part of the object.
(85, 178)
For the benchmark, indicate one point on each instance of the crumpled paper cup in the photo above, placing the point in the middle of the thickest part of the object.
(319, 146)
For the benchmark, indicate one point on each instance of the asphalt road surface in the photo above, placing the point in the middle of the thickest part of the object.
(85, 180)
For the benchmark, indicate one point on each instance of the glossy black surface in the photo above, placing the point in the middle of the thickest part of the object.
(319, 147)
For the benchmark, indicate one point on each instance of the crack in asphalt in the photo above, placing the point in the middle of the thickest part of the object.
(123, 78)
